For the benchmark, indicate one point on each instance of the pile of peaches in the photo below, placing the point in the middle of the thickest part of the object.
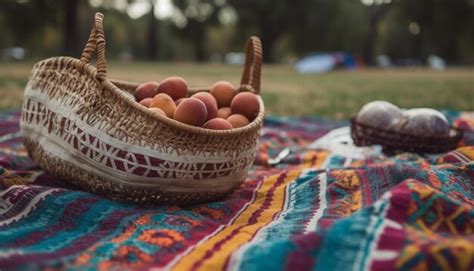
(220, 109)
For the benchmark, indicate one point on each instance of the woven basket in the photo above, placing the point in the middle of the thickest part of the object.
(87, 130)
(364, 135)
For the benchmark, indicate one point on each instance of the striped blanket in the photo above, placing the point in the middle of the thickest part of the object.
(315, 209)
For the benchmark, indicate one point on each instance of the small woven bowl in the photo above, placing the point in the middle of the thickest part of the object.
(364, 135)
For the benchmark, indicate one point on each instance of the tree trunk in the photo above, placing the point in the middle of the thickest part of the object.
(70, 35)
(152, 36)
(199, 47)
(418, 46)
(376, 13)
(269, 38)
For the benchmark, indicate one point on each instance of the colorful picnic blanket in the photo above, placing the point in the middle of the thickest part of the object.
(317, 209)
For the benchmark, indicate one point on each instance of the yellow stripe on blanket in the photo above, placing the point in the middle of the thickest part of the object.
(269, 201)
(468, 152)
(314, 159)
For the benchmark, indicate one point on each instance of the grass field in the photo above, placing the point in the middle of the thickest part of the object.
(338, 94)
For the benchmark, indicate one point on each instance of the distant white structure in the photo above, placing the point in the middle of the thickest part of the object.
(436, 63)
(383, 61)
(235, 58)
(316, 64)
(324, 62)
(14, 53)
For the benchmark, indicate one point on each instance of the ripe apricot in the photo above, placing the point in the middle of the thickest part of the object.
(217, 124)
(165, 103)
(191, 111)
(245, 103)
(146, 90)
(146, 102)
(224, 112)
(157, 110)
(178, 101)
(224, 92)
(174, 86)
(238, 120)
(209, 101)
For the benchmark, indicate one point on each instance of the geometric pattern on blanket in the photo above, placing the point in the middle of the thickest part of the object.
(314, 210)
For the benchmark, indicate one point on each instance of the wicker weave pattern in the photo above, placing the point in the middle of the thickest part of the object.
(83, 128)
(141, 162)
(364, 135)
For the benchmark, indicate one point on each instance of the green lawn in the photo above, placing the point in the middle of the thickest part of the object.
(338, 94)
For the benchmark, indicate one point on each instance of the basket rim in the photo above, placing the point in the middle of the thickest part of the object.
(90, 70)
(458, 132)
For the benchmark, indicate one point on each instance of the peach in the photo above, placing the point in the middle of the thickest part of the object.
(224, 92)
(174, 86)
(217, 124)
(238, 120)
(165, 103)
(157, 110)
(191, 111)
(178, 101)
(146, 90)
(224, 112)
(209, 101)
(245, 103)
(146, 102)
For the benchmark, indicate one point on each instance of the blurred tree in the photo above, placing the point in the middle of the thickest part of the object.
(152, 25)
(268, 18)
(337, 25)
(438, 27)
(30, 30)
(312, 25)
(416, 29)
(71, 40)
(377, 10)
(399, 28)
(200, 16)
(152, 33)
(33, 21)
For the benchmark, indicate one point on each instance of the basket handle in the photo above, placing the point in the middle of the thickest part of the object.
(253, 65)
(96, 42)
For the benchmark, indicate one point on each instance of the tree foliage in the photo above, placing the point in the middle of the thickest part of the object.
(398, 28)
(25, 21)
(200, 15)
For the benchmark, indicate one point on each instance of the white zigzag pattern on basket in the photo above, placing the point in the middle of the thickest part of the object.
(162, 151)
(39, 117)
